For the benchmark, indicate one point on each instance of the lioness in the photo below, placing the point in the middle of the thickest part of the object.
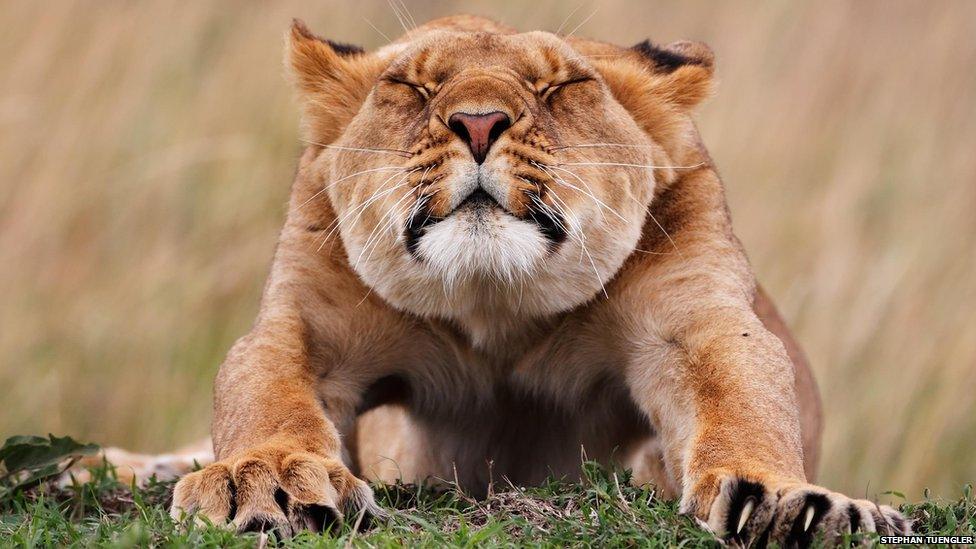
(504, 250)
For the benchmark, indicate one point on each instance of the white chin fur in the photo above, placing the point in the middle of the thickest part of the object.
(482, 242)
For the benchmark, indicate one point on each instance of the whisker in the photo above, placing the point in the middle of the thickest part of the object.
(560, 181)
(600, 145)
(343, 178)
(390, 224)
(370, 290)
(365, 297)
(396, 13)
(521, 280)
(652, 253)
(378, 31)
(377, 194)
(557, 217)
(376, 234)
(583, 250)
(583, 22)
(408, 15)
(596, 273)
(415, 210)
(404, 153)
(568, 17)
(550, 212)
(429, 212)
(422, 201)
(399, 183)
(625, 165)
(590, 193)
(381, 227)
(388, 221)
(571, 232)
(647, 208)
(337, 224)
(659, 226)
(399, 16)
(576, 233)
(560, 206)
(576, 227)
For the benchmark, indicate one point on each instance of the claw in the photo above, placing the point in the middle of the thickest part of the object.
(809, 517)
(747, 508)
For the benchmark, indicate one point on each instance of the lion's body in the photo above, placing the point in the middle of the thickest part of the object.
(526, 436)
(469, 313)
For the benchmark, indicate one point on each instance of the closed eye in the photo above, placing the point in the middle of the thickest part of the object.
(547, 91)
(422, 91)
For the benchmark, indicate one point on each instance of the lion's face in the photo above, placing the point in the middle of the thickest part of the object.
(488, 170)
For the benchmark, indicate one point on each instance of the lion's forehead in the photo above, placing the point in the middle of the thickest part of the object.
(439, 54)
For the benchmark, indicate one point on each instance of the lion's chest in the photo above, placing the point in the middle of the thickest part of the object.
(551, 368)
(528, 415)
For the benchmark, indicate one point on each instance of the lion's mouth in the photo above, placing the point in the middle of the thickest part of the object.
(480, 205)
(478, 199)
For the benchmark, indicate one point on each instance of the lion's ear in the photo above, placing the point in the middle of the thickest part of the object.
(660, 86)
(683, 70)
(331, 79)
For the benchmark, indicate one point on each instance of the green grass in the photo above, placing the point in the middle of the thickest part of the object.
(600, 511)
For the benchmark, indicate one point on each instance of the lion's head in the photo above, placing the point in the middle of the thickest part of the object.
(471, 167)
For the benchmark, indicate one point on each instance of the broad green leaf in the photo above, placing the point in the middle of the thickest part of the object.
(30, 453)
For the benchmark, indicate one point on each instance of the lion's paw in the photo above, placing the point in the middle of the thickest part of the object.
(270, 489)
(756, 512)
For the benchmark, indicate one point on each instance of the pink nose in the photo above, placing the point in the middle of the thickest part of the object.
(479, 131)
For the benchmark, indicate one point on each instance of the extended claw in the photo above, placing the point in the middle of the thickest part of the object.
(808, 519)
(747, 508)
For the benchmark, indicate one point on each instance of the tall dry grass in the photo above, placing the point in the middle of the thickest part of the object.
(146, 151)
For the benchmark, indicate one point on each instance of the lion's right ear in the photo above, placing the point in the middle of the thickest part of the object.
(331, 79)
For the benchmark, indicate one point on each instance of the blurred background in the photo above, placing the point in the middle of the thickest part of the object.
(147, 148)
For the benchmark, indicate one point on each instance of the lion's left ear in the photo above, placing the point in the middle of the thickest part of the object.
(682, 71)
(660, 86)
(331, 79)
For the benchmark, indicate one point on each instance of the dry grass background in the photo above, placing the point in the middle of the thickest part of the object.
(146, 150)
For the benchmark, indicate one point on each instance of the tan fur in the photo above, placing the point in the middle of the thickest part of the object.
(490, 351)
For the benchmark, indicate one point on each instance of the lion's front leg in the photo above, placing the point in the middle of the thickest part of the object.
(720, 390)
(279, 456)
